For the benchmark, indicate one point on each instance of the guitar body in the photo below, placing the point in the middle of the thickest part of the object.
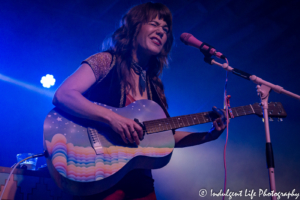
(87, 157)
(80, 169)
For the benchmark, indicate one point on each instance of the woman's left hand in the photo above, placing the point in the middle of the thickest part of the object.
(219, 124)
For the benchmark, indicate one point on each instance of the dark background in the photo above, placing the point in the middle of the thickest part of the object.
(260, 37)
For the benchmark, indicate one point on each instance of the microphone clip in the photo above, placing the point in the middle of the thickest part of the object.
(207, 55)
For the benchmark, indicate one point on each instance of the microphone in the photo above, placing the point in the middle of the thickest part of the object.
(206, 49)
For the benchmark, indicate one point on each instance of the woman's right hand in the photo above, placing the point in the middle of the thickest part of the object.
(69, 98)
(128, 129)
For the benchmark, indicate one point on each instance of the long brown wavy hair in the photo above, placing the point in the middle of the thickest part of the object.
(122, 40)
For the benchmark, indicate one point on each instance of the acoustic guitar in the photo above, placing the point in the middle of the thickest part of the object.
(87, 157)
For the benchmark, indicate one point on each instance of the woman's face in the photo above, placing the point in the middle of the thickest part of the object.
(152, 37)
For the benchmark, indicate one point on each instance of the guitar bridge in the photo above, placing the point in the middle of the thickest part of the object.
(95, 141)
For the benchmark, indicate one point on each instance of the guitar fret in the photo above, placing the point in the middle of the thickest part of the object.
(241, 111)
(182, 120)
(236, 110)
(170, 123)
(192, 121)
(162, 126)
(146, 124)
(252, 108)
(174, 123)
(202, 119)
(153, 126)
(186, 119)
(248, 110)
(244, 111)
(202, 115)
(236, 113)
(197, 118)
(207, 117)
(167, 124)
(156, 126)
(159, 125)
(180, 123)
(150, 127)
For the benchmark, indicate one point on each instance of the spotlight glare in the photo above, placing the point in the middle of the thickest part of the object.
(48, 81)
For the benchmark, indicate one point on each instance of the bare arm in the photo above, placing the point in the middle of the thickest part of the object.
(69, 98)
(186, 139)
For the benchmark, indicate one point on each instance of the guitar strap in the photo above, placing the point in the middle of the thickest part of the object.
(160, 101)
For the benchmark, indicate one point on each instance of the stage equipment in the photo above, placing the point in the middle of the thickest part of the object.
(263, 90)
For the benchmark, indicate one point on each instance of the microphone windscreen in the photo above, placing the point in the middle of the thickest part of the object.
(185, 37)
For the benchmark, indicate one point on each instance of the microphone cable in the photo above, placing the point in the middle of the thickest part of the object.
(226, 105)
(15, 166)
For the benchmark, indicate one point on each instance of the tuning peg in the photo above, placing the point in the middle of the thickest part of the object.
(280, 119)
(271, 119)
(263, 119)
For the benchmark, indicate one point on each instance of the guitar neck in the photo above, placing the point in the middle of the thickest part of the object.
(165, 124)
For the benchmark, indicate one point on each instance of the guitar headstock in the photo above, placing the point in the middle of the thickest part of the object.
(275, 109)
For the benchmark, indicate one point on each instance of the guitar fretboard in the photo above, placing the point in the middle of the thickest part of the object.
(165, 124)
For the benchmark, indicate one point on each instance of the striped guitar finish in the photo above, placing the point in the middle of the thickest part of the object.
(86, 157)
(73, 162)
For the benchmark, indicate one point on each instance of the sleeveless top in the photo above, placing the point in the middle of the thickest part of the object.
(108, 90)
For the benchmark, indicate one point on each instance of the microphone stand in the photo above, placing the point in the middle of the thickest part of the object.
(263, 90)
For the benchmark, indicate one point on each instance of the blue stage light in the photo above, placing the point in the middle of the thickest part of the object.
(48, 81)
(26, 85)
